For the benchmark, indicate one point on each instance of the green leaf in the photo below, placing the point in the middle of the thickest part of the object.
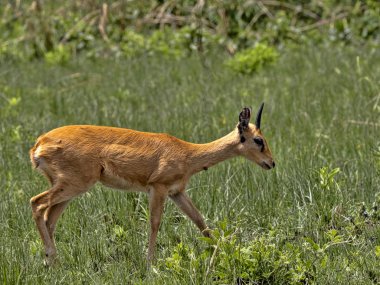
(208, 240)
(314, 245)
(377, 251)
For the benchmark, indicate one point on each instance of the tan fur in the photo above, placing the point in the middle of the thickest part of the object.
(74, 158)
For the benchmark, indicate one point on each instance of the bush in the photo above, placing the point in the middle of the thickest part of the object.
(265, 259)
(177, 27)
(251, 60)
(60, 55)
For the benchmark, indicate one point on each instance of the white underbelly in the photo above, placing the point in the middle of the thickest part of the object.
(119, 183)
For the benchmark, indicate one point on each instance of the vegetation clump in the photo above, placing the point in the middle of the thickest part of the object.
(29, 29)
(250, 60)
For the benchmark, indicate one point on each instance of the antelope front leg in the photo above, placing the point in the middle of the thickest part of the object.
(157, 198)
(183, 201)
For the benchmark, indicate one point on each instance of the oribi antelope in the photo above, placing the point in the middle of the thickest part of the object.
(74, 158)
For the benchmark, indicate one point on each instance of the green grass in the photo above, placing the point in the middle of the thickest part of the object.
(322, 109)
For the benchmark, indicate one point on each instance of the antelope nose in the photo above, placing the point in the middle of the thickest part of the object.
(273, 164)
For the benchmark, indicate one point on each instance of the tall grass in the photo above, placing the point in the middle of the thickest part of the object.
(322, 109)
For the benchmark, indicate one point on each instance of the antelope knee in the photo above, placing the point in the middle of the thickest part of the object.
(37, 212)
(33, 203)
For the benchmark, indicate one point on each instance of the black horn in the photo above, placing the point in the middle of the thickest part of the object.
(258, 116)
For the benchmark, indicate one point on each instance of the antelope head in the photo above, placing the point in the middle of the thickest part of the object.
(253, 145)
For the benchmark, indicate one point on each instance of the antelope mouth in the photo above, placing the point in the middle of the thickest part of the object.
(265, 165)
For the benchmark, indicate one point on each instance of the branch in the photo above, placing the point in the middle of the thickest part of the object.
(298, 8)
(103, 22)
(322, 23)
(83, 20)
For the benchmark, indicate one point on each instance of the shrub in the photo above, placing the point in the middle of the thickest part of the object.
(266, 259)
(60, 55)
(251, 60)
(133, 43)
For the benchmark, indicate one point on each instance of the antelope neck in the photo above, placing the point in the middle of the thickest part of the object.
(209, 154)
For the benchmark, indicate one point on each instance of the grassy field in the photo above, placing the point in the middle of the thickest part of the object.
(322, 112)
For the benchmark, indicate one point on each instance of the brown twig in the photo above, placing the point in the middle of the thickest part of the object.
(103, 22)
(85, 19)
(165, 19)
(322, 23)
(265, 10)
(197, 13)
(297, 8)
(162, 12)
(223, 26)
(254, 20)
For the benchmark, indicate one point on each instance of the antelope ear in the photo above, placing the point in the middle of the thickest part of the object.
(244, 117)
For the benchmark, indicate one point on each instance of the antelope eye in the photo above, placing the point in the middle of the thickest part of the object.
(258, 141)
